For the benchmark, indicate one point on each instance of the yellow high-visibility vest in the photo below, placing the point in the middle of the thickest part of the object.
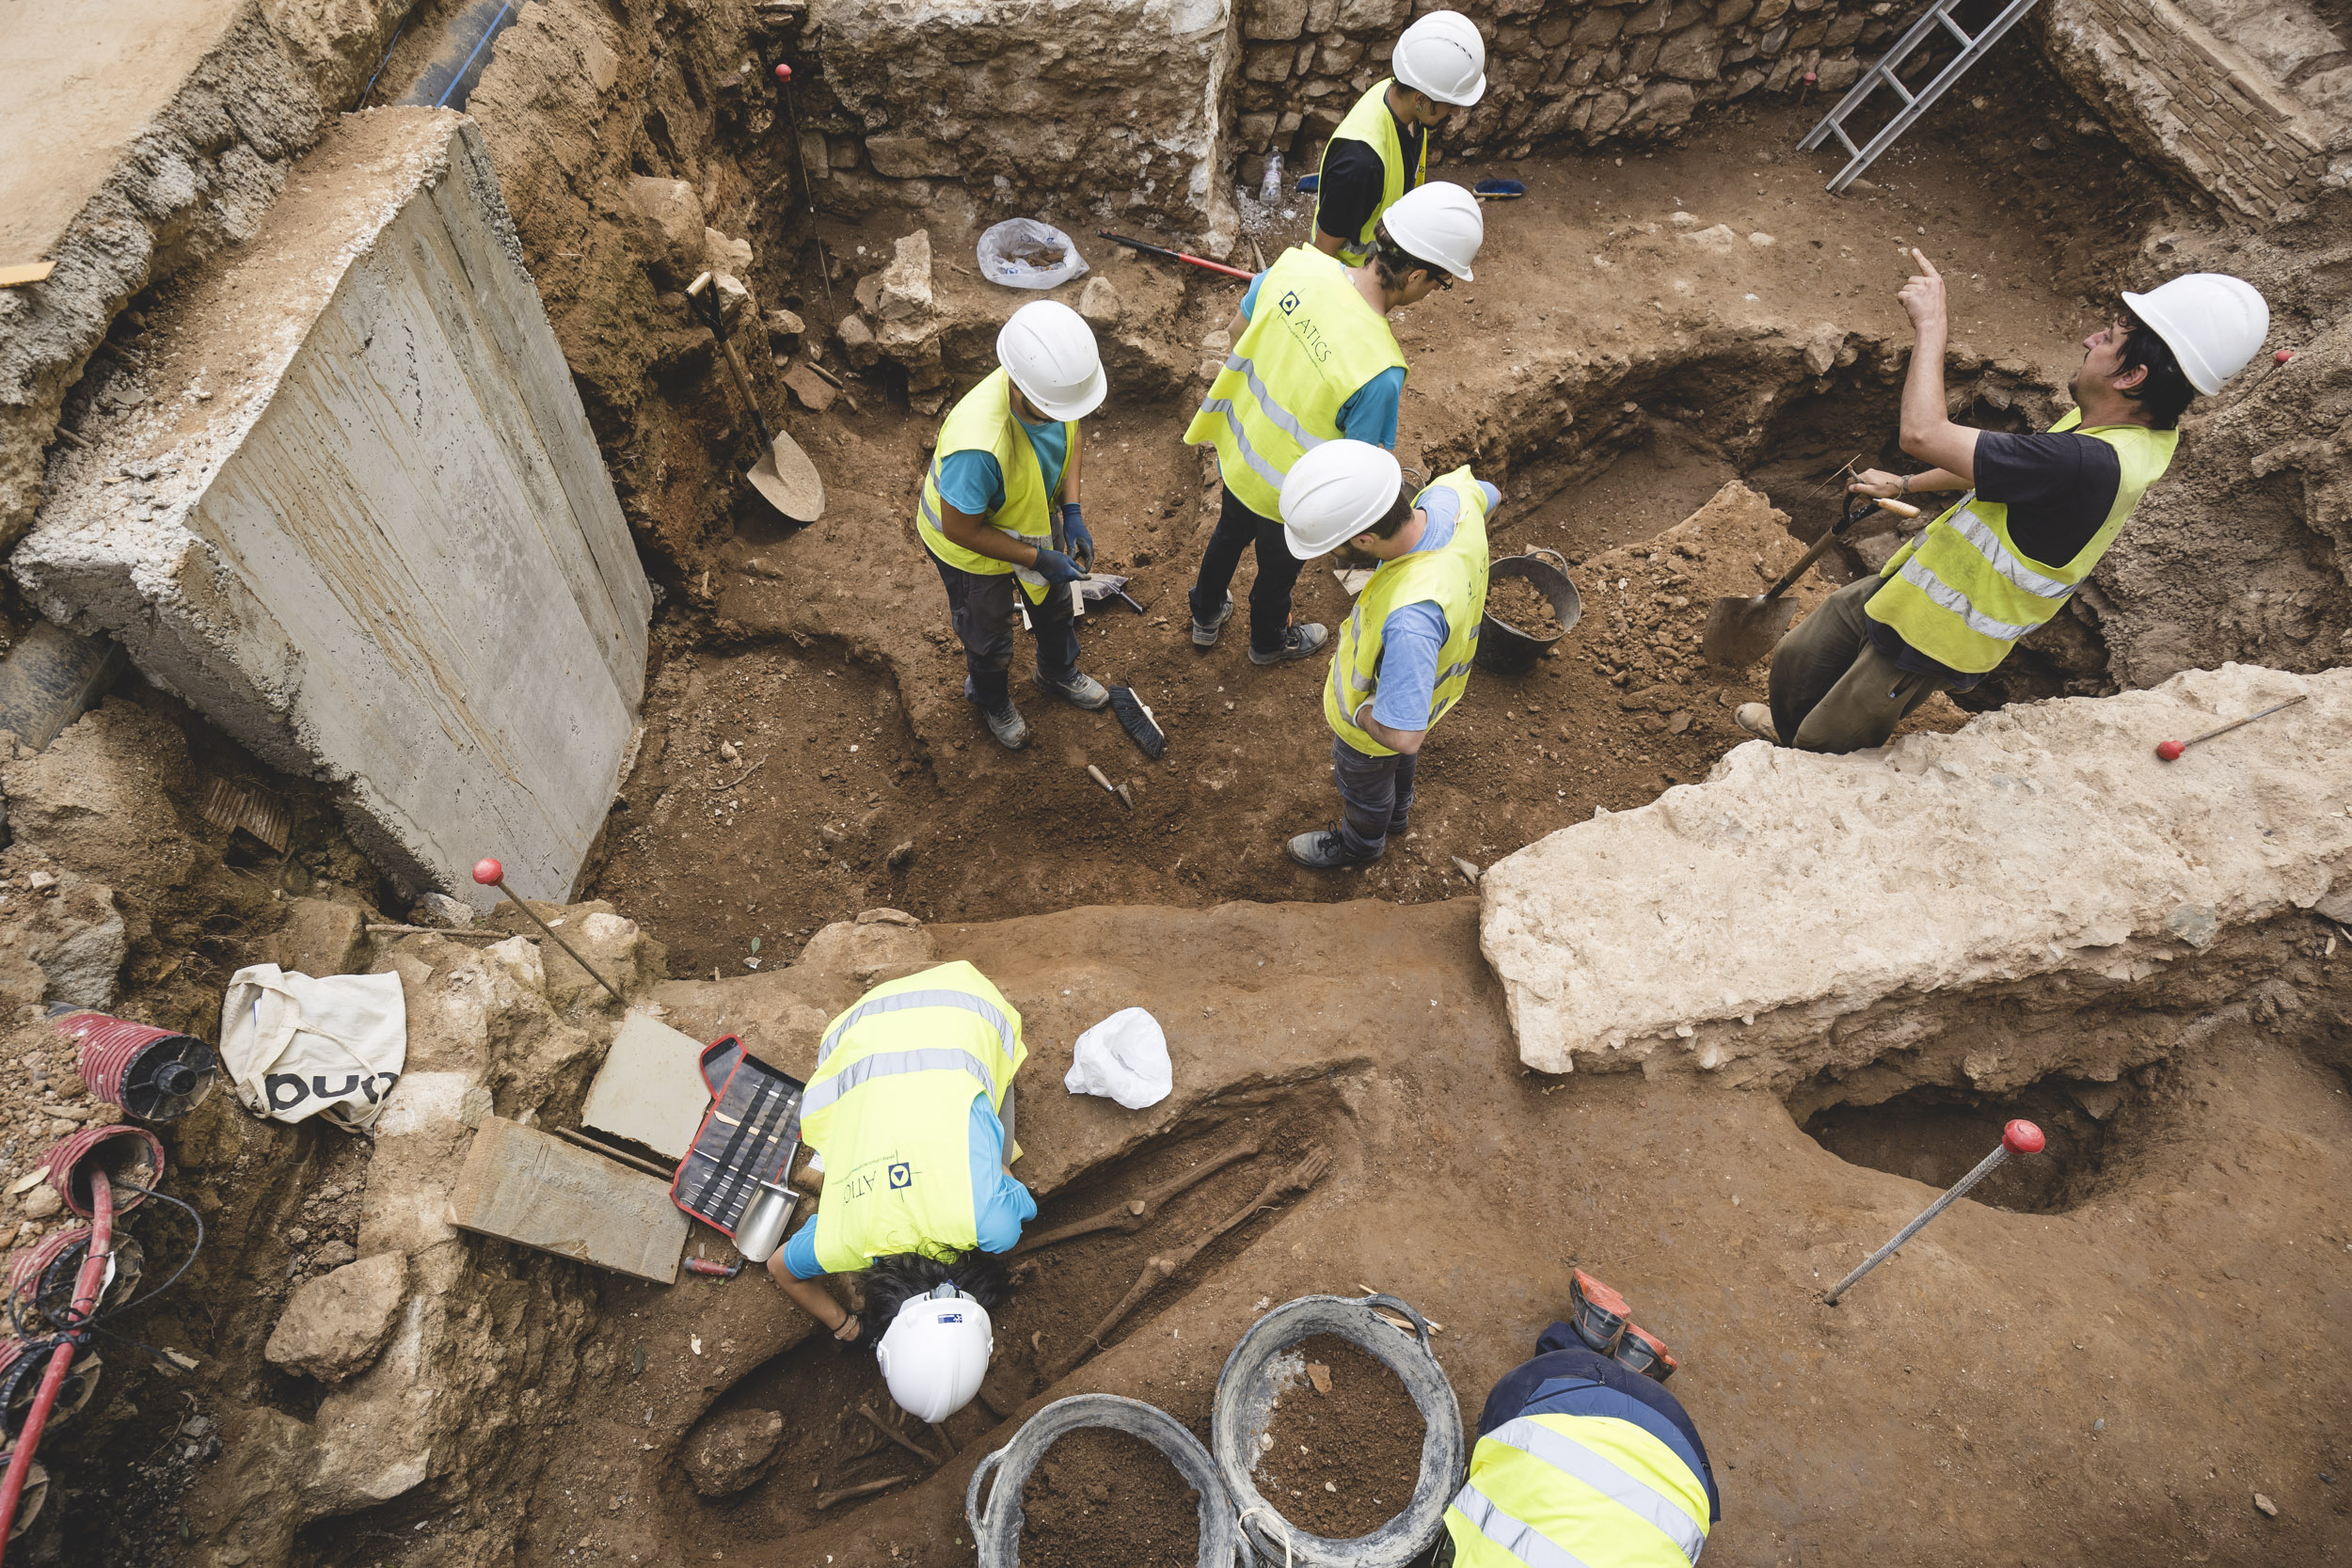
(1312, 344)
(983, 420)
(1453, 579)
(1370, 123)
(890, 1109)
(1963, 593)
(1577, 1492)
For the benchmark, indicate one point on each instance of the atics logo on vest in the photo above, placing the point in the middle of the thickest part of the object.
(901, 1175)
(1303, 328)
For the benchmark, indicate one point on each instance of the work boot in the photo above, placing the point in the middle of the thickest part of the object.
(1297, 642)
(1325, 851)
(1079, 691)
(1756, 719)
(1204, 632)
(1006, 723)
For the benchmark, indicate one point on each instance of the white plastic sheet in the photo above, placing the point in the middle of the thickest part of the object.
(1124, 1058)
(1012, 251)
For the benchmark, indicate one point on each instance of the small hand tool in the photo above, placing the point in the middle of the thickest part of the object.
(2170, 750)
(2018, 1138)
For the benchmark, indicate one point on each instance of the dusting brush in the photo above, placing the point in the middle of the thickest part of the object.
(1137, 721)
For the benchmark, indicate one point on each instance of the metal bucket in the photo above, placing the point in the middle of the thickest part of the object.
(1503, 647)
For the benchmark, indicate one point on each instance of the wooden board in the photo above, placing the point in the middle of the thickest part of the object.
(17, 274)
(650, 1089)
(524, 1185)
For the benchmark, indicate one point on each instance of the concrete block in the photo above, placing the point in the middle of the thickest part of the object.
(371, 536)
(650, 1089)
(524, 1185)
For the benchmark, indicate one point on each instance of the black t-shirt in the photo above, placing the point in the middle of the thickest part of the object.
(1354, 181)
(2059, 487)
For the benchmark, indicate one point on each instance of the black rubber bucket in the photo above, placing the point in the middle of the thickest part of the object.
(996, 1518)
(1506, 649)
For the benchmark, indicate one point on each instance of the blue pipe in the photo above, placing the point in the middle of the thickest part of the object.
(449, 79)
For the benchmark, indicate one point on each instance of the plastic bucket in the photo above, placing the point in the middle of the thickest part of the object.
(1245, 1405)
(996, 1522)
(1503, 647)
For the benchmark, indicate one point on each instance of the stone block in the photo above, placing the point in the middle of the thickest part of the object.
(1255, 131)
(724, 254)
(650, 1089)
(525, 1186)
(1274, 20)
(1099, 302)
(1649, 19)
(811, 390)
(1644, 55)
(1692, 55)
(1372, 16)
(1596, 29)
(393, 441)
(904, 287)
(879, 944)
(1268, 62)
(1838, 75)
(856, 337)
(1767, 12)
(321, 936)
(334, 1326)
(901, 157)
(1843, 29)
(732, 1449)
(62, 939)
(669, 226)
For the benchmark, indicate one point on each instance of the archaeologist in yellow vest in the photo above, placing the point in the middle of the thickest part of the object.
(1381, 148)
(911, 1109)
(1312, 360)
(999, 506)
(1580, 1460)
(2039, 512)
(1404, 654)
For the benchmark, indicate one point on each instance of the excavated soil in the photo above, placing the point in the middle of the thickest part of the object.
(1519, 603)
(1346, 1457)
(1102, 1496)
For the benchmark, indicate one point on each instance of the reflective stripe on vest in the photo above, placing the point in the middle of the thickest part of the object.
(983, 420)
(1961, 593)
(889, 1108)
(1370, 122)
(1312, 344)
(1555, 1491)
(1453, 579)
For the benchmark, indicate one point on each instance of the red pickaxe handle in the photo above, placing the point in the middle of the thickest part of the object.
(1150, 250)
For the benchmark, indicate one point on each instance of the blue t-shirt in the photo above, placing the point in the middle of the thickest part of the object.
(999, 1202)
(1369, 414)
(1414, 635)
(972, 484)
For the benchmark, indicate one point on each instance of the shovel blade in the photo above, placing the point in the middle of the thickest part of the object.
(1742, 631)
(789, 480)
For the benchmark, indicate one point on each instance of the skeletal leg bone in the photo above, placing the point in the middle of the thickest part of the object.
(863, 1489)
(1136, 1213)
(900, 1438)
(1301, 1177)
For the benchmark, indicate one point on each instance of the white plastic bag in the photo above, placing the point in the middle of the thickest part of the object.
(298, 1046)
(1019, 254)
(1124, 1058)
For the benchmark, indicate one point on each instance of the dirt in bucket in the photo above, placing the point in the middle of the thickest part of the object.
(1522, 605)
(1347, 1450)
(1102, 1496)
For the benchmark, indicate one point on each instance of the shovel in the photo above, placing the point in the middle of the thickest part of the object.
(784, 475)
(1739, 631)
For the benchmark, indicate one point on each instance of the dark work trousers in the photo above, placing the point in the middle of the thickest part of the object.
(1238, 528)
(985, 616)
(1376, 796)
(1832, 690)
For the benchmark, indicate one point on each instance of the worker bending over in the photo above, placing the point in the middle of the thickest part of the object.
(1404, 657)
(1582, 1460)
(1000, 505)
(1312, 360)
(1381, 150)
(2039, 512)
(910, 1110)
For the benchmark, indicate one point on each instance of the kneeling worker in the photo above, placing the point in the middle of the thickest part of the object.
(910, 1108)
(1381, 150)
(1000, 505)
(2039, 512)
(1312, 360)
(1404, 654)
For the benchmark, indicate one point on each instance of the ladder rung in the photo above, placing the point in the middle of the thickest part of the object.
(1909, 96)
(1953, 28)
(1851, 148)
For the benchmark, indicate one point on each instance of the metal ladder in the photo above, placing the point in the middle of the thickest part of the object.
(1971, 50)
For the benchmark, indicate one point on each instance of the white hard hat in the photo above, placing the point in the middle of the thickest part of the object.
(936, 1350)
(1442, 57)
(1049, 351)
(2214, 323)
(1336, 492)
(1440, 224)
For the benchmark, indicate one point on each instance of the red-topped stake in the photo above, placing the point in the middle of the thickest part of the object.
(2018, 1138)
(783, 71)
(2170, 750)
(489, 873)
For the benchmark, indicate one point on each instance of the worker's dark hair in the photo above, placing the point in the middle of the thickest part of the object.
(1399, 510)
(2167, 393)
(1391, 260)
(893, 1281)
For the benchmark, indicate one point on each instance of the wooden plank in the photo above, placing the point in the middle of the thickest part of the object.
(522, 1185)
(16, 275)
(650, 1089)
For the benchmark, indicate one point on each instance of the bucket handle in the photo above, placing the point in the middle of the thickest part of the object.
(973, 1511)
(1421, 1325)
(1559, 561)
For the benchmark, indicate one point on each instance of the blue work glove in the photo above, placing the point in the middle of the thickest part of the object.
(1057, 568)
(1077, 536)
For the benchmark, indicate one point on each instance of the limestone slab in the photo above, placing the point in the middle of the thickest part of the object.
(650, 1089)
(524, 1185)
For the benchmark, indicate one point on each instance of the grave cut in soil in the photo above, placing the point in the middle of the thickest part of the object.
(1345, 1461)
(1102, 1497)
(1521, 604)
(1934, 1136)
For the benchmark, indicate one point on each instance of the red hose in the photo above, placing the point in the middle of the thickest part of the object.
(85, 1288)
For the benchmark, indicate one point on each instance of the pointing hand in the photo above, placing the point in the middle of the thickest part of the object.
(1923, 295)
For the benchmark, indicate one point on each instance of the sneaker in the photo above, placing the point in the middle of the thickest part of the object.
(1006, 723)
(1079, 691)
(1297, 642)
(1756, 719)
(1325, 851)
(1204, 632)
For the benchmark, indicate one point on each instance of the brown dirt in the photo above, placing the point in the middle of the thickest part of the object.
(1102, 1496)
(1344, 1462)
(1521, 604)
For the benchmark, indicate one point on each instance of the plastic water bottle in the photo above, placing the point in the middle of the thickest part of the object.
(1270, 191)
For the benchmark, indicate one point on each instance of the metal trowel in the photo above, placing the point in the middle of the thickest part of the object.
(784, 475)
(1740, 630)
